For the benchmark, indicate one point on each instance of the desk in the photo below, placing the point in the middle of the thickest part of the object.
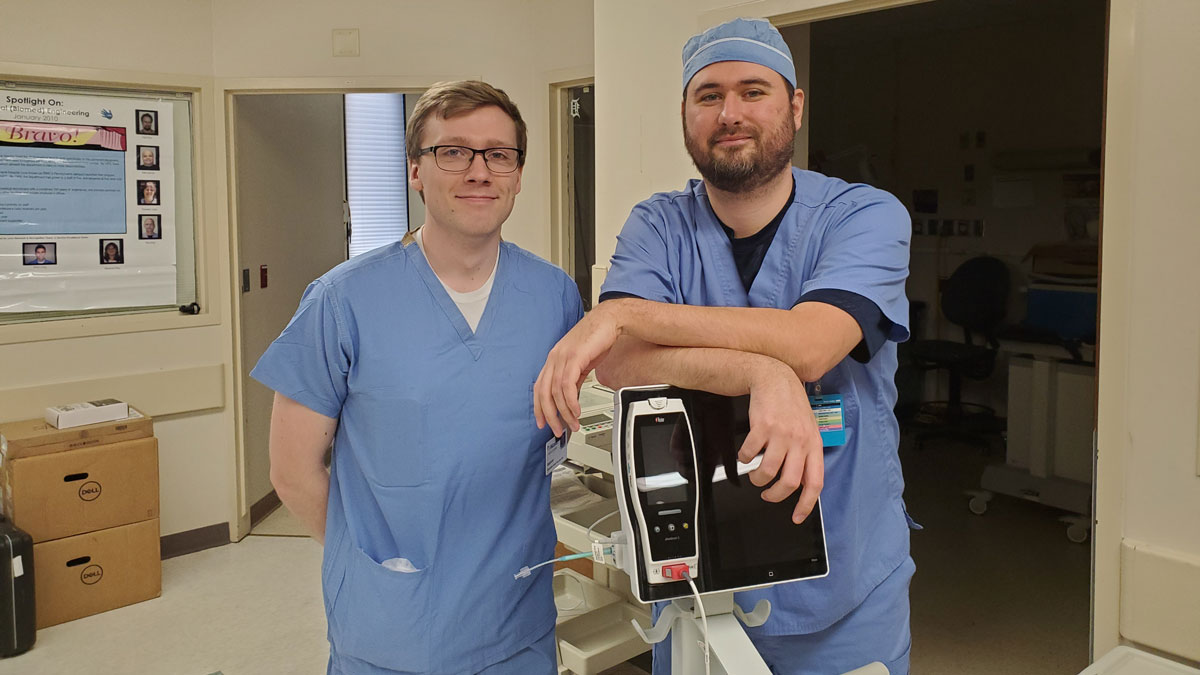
(1049, 457)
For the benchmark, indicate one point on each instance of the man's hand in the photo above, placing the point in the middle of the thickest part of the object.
(299, 439)
(556, 392)
(784, 429)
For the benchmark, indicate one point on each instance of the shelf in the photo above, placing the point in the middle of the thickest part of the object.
(590, 456)
(576, 595)
(601, 638)
(572, 527)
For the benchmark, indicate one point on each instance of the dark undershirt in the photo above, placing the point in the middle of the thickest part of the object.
(748, 255)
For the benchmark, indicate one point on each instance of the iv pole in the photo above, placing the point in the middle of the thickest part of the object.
(730, 649)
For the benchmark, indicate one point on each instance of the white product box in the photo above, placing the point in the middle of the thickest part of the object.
(88, 412)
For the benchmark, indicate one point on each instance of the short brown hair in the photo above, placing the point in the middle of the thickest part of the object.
(449, 99)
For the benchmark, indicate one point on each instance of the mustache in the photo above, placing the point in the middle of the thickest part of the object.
(718, 136)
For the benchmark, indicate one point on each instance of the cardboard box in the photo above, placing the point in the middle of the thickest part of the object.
(28, 438)
(95, 572)
(68, 493)
(88, 412)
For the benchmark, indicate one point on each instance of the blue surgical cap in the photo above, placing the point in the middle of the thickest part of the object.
(751, 40)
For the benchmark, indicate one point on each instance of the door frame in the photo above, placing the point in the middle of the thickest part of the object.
(562, 216)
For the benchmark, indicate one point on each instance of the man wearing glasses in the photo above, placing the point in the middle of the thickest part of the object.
(418, 358)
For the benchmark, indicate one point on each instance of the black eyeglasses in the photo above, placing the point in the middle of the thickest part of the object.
(459, 157)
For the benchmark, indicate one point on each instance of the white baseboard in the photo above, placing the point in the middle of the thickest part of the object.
(1160, 598)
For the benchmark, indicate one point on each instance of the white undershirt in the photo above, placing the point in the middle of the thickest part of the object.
(471, 303)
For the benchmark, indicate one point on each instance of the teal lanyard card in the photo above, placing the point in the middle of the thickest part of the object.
(830, 418)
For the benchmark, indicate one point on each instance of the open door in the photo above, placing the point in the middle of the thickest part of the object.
(289, 161)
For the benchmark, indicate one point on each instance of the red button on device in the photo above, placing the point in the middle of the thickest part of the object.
(675, 571)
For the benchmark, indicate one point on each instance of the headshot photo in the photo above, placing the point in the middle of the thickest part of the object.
(112, 252)
(147, 157)
(147, 122)
(149, 226)
(37, 253)
(147, 192)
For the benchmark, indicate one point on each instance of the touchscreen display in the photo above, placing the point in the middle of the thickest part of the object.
(665, 484)
(752, 533)
(749, 541)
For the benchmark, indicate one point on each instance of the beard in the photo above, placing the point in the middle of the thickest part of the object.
(747, 168)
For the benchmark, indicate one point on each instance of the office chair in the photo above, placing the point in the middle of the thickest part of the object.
(975, 297)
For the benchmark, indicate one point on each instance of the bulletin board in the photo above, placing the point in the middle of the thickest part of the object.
(95, 201)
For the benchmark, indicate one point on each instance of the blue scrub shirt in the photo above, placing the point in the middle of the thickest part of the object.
(437, 457)
(838, 236)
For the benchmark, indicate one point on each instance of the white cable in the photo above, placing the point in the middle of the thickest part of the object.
(598, 521)
(703, 620)
(525, 571)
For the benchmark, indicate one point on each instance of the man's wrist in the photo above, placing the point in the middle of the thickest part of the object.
(761, 370)
(616, 312)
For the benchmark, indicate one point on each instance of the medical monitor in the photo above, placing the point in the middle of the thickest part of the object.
(744, 542)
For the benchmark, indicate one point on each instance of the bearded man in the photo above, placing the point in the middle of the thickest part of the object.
(777, 282)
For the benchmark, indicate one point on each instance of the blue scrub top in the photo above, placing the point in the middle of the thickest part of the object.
(437, 457)
(835, 235)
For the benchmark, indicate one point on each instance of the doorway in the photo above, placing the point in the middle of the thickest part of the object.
(573, 181)
(289, 166)
(986, 120)
(313, 184)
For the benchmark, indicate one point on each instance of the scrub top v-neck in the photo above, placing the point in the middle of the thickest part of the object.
(437, 459)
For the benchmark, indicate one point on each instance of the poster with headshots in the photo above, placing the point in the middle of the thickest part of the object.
(87, 203)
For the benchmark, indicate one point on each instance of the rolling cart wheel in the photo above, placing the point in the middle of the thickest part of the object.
(978, 505)
(1077, 533)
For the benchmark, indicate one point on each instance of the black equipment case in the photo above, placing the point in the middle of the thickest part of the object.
(18, 626)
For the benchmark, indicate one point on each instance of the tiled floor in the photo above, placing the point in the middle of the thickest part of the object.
(999, 594)
(252, 608)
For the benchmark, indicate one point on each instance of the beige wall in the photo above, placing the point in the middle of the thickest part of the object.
(1150, 323)
(168, 36)
(289, 197)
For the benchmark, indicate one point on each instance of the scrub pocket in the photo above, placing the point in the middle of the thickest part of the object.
(395, 453)
(383, 617)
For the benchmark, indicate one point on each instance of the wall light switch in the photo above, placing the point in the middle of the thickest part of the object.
(345, 42)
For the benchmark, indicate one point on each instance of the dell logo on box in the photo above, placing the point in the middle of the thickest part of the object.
(89, 491)
(91, 574)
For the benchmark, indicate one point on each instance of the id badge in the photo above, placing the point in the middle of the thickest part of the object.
(830, 418)
(556, 451)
